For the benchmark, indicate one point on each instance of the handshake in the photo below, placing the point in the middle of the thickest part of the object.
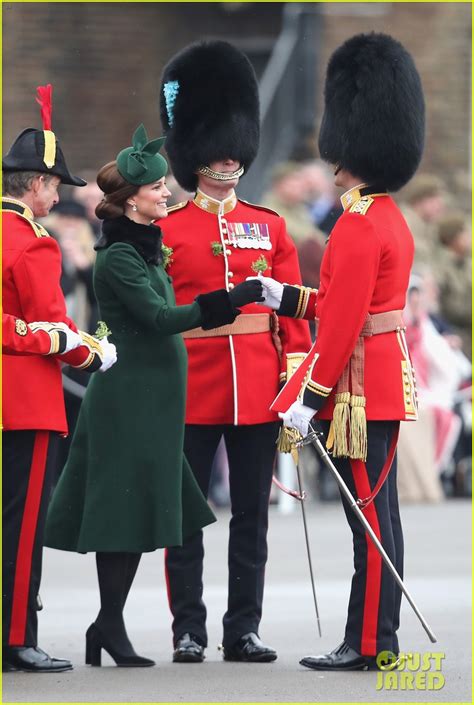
(271, 291)
(261, 290)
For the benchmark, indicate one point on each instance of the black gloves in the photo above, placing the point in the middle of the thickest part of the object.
(246, 293)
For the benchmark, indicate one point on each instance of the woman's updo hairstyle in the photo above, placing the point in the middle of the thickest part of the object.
(116, 192)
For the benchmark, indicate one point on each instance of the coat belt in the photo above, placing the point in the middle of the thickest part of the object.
(244, 324)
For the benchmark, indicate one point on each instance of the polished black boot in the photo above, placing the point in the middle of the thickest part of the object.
(251, 649)
(188, 650)
(32, 659)
(342, 658)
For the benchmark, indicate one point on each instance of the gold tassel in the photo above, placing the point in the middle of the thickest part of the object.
(358, 435)
(287, 440)
(337, 437)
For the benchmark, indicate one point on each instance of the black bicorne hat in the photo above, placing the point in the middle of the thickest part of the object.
(209, 109)
(374, 114)
(39, 150)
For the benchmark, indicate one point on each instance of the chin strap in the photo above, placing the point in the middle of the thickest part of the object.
(219, 175)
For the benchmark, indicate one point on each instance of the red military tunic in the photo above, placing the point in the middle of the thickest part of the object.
(32, 385)
(232, 379)
(365, 270)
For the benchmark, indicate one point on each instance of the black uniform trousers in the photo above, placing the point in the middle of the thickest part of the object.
(251, 454)
(374, 604)
(28, 470)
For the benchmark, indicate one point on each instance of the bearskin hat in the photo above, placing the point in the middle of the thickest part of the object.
(374, 114)
(209, 109)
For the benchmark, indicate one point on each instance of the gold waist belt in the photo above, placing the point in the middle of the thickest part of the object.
(244, 324)
(348, 432)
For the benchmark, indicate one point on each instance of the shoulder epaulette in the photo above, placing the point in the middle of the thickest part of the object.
(39, 230)
(362, 205)
(177, 206)
(259, 207)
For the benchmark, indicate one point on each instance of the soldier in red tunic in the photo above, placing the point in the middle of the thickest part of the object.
(33, 403)
(209, 108)
(357, 376)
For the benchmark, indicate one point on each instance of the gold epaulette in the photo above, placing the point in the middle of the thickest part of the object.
(362, 205)
(259, 207)
(177, 206)
(39, 230)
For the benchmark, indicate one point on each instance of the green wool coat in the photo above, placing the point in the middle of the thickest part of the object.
(126, 485)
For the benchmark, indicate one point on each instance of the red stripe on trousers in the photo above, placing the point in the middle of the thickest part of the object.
(373, 575)
(21, 587)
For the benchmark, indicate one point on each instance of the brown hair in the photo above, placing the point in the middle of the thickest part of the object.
(450, 226)
(116, 191)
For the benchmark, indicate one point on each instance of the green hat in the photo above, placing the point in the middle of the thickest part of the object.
(141, 164)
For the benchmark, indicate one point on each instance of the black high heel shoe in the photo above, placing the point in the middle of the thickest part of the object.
(96, 641)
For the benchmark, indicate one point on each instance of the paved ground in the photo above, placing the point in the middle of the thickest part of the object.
(438, 574)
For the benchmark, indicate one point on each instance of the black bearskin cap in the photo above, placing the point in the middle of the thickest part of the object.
(374, 115)
(209, 109)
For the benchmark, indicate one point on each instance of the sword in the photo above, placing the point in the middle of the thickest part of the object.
(314, 438)
(303, 510)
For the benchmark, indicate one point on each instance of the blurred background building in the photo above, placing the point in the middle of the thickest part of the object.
(105, 61)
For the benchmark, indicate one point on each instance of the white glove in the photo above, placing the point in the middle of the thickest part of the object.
(272, 291)
(73, 339)
(110, 355)
(298, 416)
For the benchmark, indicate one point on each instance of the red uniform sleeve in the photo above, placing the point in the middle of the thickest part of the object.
(37, 274)
(18, 339)
(294, 334)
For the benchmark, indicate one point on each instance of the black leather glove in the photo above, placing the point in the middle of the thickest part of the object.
(246, 293)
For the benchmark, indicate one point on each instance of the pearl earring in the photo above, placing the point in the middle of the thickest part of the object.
(134, 208)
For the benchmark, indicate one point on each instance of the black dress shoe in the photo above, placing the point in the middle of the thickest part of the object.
(343, 658)
(32, 658)
(188, 650)
(250, 648)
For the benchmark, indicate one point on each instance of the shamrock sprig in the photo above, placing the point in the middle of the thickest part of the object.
(102, 330)
(217, 248)
(167, 253)
(260, 265)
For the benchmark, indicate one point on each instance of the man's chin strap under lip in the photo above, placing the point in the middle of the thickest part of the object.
(219, 175)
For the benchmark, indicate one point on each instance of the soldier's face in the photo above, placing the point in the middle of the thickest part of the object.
(223, 166)
(45, 194)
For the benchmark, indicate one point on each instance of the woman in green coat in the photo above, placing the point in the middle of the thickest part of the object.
(127, 487)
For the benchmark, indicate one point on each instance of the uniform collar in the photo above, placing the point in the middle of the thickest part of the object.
(13, 204)
(212, 205)
(357, 192)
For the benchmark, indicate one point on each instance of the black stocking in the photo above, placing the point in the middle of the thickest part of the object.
(115, 572)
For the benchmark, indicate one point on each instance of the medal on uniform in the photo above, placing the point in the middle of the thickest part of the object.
(255, 236)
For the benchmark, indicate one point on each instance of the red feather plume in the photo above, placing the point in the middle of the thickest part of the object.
(45, 100)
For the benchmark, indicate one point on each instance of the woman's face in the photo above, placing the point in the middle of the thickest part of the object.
(150, 201)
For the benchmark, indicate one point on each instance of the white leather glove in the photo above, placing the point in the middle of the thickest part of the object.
(109, 355)
(298, 416)
(272, 291)
(73, 339)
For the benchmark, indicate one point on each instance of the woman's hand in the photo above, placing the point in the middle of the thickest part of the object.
(250, 291)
